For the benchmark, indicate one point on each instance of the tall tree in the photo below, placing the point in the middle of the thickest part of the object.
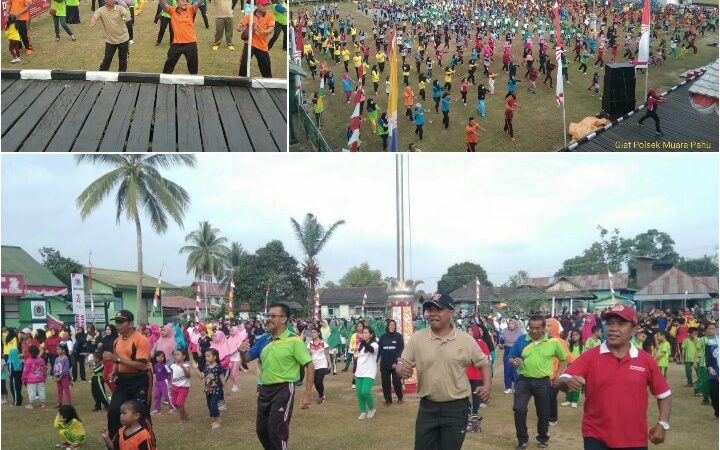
(233, 260)
(207, 254)
(610, 252)
(312, 237)
(140, 187)
(361, 276)
(516, 279)
(460, 274)
(705, 266)
(60, 265)
(653, 243)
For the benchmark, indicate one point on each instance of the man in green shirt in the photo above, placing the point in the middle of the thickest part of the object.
(533, 355)
(282, 354)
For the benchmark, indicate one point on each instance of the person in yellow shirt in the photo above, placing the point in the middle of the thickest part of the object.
(346, 57)
(307, 50)
(357, 61)
(353, 348)
(422, 84)
(336, 53)
(365, 71)
(406, 73)
(380, 58)
(375, 78)
(448, 78)
(353, 33)
(13, 36)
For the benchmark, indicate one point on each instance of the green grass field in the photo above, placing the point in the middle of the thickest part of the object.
(537, 123)
(87, 52)
(334, 425)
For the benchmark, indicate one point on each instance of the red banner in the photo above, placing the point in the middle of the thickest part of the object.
(37, 7)
(12, 285)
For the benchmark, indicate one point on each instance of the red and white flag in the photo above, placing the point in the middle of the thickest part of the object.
(559, 91)
(316, 314)
(267, 294)
(644, 49)
(231, 294)
(354, 128)
(197, 301)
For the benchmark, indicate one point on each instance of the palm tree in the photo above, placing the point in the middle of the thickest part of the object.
(207, 254)
(140, 186)
(312, 237)
(233, 261)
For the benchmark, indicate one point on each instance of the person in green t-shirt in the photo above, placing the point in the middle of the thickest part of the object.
(639, 339)
(594, 339)
(701, 386)
(576, 348)
(662, 352)
(72, 11)
(690, 354)
(58, 9)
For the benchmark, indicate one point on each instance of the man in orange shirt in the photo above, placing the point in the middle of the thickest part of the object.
(263, 27)
(471, 134)
(21, 10)
(182, 21)
(132, 371)
(409, 100)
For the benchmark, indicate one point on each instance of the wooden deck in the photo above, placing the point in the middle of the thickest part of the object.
(95, 116)
(684, 129)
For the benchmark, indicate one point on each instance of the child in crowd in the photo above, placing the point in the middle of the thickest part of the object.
(639, 340)
(365, 372)
(70, 428)
(61, 374)
(690, 354)
(662, 352)
(320, 354)
(97, 384)
(134, 433)
(576, 348)
(13, 37)
(161, 389)
(594, 339)
(212, 376)
(180, 372)
(3, 378)
(475, 377)
(34, 377)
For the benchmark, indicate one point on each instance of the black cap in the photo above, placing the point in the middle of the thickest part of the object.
(442, 301)
(123, 315)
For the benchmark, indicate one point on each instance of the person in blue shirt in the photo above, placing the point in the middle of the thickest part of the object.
(512, 84)
(419, 119)
(436, 94)
(446, 109)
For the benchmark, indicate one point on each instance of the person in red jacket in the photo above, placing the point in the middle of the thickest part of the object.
(476, 380)
(51, 344)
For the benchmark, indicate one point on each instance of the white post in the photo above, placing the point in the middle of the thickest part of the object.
(552, 313)
(250, 33)
(571, 309)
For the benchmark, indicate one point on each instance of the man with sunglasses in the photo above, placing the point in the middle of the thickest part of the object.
(281, 355)
(131, 371)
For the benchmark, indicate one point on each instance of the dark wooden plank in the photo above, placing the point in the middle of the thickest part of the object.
(139, 138)
(164, 137)
(276, 124)
(6, 83)
(23, 128)
(13, 92)
(19, 106)
(279, 96)
(117, 129)
(45, 130)
(261, 140)
(213, 138)
(92, 132)
(75, 118)
(188, 129)
(237, 137)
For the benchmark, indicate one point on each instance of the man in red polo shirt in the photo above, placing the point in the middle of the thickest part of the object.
(616, 377)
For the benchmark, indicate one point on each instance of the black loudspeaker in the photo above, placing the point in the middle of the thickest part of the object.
(619, 90)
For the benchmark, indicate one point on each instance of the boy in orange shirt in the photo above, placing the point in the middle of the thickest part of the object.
(471, 134)
(263, 28)
(182, 21)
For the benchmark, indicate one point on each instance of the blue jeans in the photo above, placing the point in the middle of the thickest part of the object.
(481, 107)
(509, 371)
(60, 22)
(213, 401)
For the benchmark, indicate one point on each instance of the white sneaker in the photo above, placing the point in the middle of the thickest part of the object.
(131, 41)
(552, 424)
(483, 405)
(222, 408)
(371, 413)
(353, 386)
(565, 404)
(508, 391)
(235, 389)
(574, 405)
(362, 416)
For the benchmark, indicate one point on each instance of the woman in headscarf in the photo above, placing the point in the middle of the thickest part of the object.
(510, 335)
(588, 325)
(237, 336)
(220, 343)
(166, 343)
(552, 327)
(15, 370)
(333, 342)
(106, 343)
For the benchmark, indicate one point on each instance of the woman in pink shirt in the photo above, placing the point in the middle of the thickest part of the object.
(33, 376)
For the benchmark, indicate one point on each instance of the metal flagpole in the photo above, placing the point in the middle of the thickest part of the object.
(564, 126)
(250, 33)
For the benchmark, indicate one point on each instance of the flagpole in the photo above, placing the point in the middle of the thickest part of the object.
(564, 124)
(92, 303)
(249, 45)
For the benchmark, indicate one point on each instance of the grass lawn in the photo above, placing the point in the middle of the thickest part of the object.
(87, 52)
(537, 123)
(334, 425)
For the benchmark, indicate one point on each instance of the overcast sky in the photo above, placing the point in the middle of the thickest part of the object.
(506, 212)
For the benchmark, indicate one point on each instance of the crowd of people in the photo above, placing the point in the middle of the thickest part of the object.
(137, 371)
(449, 50)
(117, 19)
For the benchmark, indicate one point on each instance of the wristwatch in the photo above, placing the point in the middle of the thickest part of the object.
(117, 360)
(664, 425)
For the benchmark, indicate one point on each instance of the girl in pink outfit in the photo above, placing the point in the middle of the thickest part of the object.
(161, 384)
(237, 336)
(220, 343)
(33, 376)
(588, 325)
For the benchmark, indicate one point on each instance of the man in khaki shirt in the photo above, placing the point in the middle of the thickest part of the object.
(113, 18)
(223, 23)
(441, 353)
